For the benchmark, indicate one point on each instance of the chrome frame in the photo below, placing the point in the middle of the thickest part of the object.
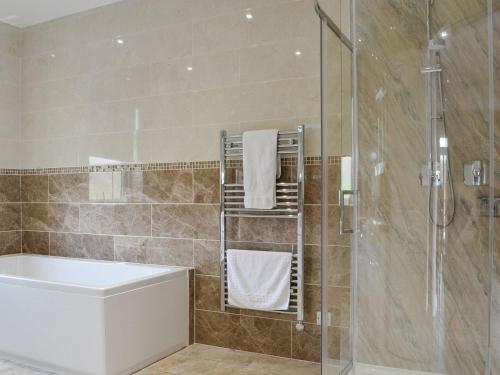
(290, 205)
(327, 22)
(333, 26)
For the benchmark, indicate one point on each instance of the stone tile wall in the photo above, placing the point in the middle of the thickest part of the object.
(171, 217)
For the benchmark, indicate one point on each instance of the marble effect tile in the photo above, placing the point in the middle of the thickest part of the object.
(201, 359)
(10, 242)
(35, 188)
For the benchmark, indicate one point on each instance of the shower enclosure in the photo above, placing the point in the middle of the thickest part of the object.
(411, 265)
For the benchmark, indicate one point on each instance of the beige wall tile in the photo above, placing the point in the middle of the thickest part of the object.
(291, 58)
(98, 72)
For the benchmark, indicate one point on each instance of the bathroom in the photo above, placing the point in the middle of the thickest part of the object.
(137, 137)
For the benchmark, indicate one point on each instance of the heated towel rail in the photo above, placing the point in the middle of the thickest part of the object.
(290, 205)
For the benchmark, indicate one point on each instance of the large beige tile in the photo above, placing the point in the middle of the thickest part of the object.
(215, 70)
(218, 34)
(294, 58)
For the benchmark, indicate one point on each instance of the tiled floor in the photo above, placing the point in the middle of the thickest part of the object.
(207, 360)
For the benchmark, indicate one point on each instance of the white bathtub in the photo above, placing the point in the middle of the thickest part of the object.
(90, 317)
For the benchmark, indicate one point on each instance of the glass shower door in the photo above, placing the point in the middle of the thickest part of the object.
(337, 122)
(423, 139)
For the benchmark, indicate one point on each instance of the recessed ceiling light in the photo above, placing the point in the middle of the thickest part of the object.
(189, 68)
(249, 16)
(444, 34)
(298, 53)
(53, 55)
(120, 41)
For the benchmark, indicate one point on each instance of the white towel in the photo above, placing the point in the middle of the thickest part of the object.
(259, 280)
(259, 168)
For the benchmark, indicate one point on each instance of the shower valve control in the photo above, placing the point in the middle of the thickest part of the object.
(476, 173)
(430, 176)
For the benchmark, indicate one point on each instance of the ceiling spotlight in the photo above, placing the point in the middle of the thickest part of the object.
(189, 68)
(249, 16)
(120, 41)
(298, 53)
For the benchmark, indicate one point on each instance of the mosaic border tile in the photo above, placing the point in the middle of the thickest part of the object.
(129, 167)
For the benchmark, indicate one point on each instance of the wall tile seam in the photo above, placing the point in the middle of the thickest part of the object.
(153, 94)
(192, 56)
(139, 236)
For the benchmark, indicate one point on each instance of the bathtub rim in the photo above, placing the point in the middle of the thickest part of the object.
(169, 273)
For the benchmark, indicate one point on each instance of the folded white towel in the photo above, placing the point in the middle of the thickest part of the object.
(259, 280)
(259, 168)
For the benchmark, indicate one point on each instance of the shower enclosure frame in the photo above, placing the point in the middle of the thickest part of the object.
(328, 25)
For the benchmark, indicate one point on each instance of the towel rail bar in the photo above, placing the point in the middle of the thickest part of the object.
(290, 205)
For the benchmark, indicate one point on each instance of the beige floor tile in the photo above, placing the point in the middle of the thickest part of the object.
(205, 360)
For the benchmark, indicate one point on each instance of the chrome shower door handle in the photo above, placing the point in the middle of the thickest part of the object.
(342, 194)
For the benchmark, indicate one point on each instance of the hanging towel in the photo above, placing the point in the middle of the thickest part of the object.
(260, 168)
(259, 280)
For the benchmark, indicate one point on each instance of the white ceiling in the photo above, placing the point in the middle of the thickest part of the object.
(23, 13)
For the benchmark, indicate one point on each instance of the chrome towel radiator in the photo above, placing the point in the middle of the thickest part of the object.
(290, 205)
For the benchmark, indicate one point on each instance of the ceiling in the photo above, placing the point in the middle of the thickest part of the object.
(23, 13)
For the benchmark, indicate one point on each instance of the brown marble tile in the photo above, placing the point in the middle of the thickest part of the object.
(63, 217)
(206, 224)
(69, 187)
(266, 314)
(10, 216)
(269, 336)
(333, 183)
(131, 249)
(217, 328)
(306, 345)
(312, 224)
(312, 302)
(172, 186)
(118, 219)
(261, 230)
(186, 221)
(339, 266)
(132, 187)
(207, 293)
(10, 188)
(36, 217)
(10, 242)
(312, 264)
(50, 217)
(338, 305)
(206, 257)
(170, 251)
(312, 184)
(36, 242)
(81, 246)
(334, 236)
(334, 342)
(206, 185)
(35, 188)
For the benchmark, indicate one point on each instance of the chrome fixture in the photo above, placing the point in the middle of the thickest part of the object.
(437, 171)
(476, 173)
(290, 206)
